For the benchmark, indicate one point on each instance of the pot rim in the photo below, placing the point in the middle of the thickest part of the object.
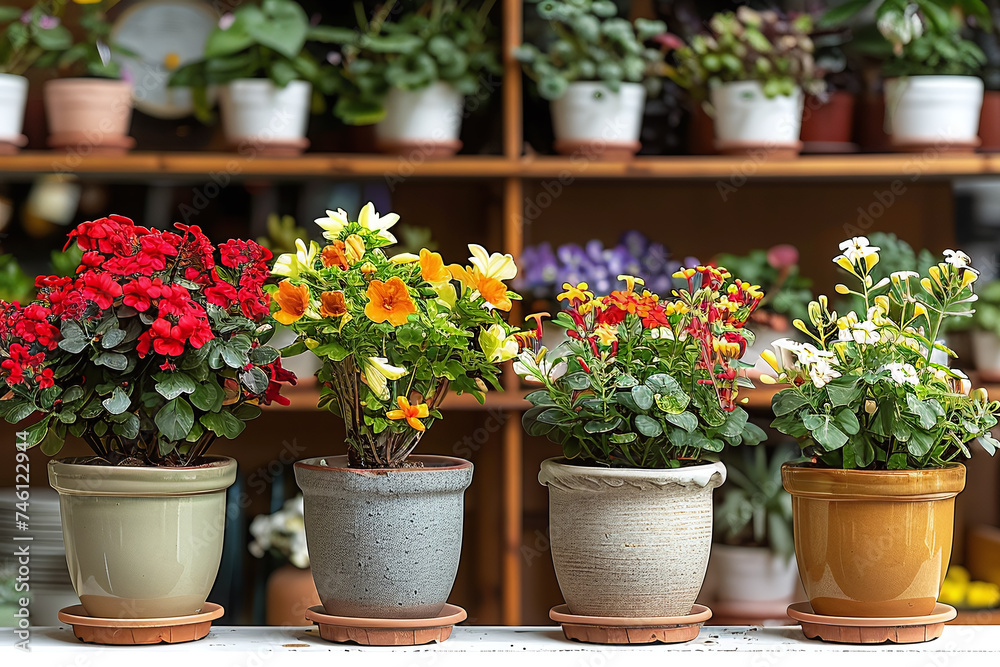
(77, 479)
(701, 475)
(809, 481)
(453, 463)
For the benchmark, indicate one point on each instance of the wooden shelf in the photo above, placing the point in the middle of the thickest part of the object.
(234, 166)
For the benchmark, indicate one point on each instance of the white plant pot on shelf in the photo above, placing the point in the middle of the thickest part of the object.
(13, 98)
(986, 352)
(428, 120)
(258, 115)
(938, 112)
(747, 120)
(590, 117)
(750, 575)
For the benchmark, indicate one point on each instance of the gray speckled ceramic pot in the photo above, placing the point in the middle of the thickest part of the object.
(384, 543)
(630, 542)
(143, 542)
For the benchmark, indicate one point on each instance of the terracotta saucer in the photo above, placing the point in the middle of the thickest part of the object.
(11, 145)
(423, 149)
(857, 630)
(605, 151)
(943, 146)
(386, 631)
(621, 630)
(756, 150)
(131, 631)
(271, 147)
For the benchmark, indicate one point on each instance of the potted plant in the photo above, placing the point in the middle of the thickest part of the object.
(786, 291)
(290, 589)
(828, 120)
(596, 72)
(642, 398)
(885, 428)
(753, 558)
(152, 350)
(984, 327)
(30, 37)
(753, 67)
(933, 93)
(395, 334)
(410, 74)
(268, 81)
(93, 110)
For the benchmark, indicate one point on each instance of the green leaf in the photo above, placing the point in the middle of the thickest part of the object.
(824, 432)
(624, 438)
(734, 424)
(263, 355)
(787, 401)
(255, 380)
(989, 443)
(52, 444)
(643, 397)
(753, 434)
(332, 350)
(926, 415)
(208, 396)
(848, 422)
(172, 385)
(283, 27)
(223, 424)
(175, 419)
(112, 338)
(118, 402)
(16, 409)
(685, 420)
(920, 442)
(602, 426)
(648, 426)
(540, 397)
(578, 381)
(843, 392)
(625, 381)
(864, 453)
(553, 416)
(112, 360)
(841, 13)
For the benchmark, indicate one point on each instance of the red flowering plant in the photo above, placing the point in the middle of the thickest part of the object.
(641, 381)
(150, 352)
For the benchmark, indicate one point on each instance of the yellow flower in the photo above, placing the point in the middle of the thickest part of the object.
(684, 273)
(486, 275)
(432, 268)
(336, 221)
(378, 371)
(578, 294)
(606, 333)
(171, 61)
(291, 265)
(497, 345)
(292, 300)
(389, 301)
(631, 282)
(404, 258)
(411, 413)
(842, 289)
(354, 248)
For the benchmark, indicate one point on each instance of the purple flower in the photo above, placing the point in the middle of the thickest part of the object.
(26, 17)
(47, 22)
(226, 21)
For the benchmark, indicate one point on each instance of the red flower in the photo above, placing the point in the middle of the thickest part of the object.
(100, 288)
(15, 373)
(141, 292)
(108, 235)
(221, 293)
(237, 252)
(33, 326)
(277, 375)
(45, 379)
(169, 339)
(254, 303)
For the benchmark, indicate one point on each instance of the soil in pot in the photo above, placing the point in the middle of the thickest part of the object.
(873, 543)
(384, 543)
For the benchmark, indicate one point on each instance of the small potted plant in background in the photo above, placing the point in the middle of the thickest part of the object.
(984, 327)
(752, 568)
(149, 352)
(786, 291)
(410, 75)
(596, 72)
(753, 67)
(933, 93)
(94, 110)
(642, 398)
(885, 428)
(828, 121)
(31, 37)
(395, 334)
(268, 81)
(290, 588)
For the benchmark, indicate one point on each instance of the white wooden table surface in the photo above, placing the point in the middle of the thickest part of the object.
(473, 646)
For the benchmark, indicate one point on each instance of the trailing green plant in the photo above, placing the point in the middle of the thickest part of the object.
(747, 45)
(865, 392)
(925, 35)
(265, 40)
(642, 382)
(592, 43)
(32, 37)
(452, 41)
(756, 510)
(776, 271)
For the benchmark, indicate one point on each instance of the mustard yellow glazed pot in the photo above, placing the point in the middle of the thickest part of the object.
(873, 543)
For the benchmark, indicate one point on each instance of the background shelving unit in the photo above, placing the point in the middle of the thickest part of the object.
(811, 201)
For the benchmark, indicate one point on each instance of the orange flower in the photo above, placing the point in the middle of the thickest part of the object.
(292, 301)
(333, 255)
(332, 304)
(432, 268)
(354, 246)
(492, 289)
(389, 301)
(411, 413)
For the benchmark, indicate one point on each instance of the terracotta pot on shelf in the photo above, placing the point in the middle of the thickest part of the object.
(595, 122)
(384, 543)
(290, 593)
(701, 132)
(989, 122)
(90, 116)
(143, 542)
(873, 543)
(828, 127)
(629, 542)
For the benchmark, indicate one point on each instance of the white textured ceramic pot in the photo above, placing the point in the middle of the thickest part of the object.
(13, 98)
(89, 115)
(143, 542)
(749, 575)
(605, 124)
(748, 120)
(384, 543)
(939, 112)
(986, 353)
(428, 120)
(630, 542)
(258, 114)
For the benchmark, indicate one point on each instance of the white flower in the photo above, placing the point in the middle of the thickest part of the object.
(901, 373)
(378, 371)
(809, 355)
(497, 266)
(533, 367)
(497, 345)
(857, 248)
(865, 333)
(901, 28)
(291, 265)
(335, 222)
(822, 372)
(283, 531)
(957, 258)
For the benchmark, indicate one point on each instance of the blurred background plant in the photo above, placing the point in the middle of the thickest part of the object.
(281, 534)
(15, 284)
(776, 270)
(92, 54)
(282, 231)
(588, 41)
(32, 37)
(452, 41)
(960, 591)
(987, 315)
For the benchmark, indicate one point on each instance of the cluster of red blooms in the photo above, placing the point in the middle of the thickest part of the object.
(165, 275)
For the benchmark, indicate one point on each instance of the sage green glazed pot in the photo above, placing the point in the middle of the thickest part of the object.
(143, 542)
